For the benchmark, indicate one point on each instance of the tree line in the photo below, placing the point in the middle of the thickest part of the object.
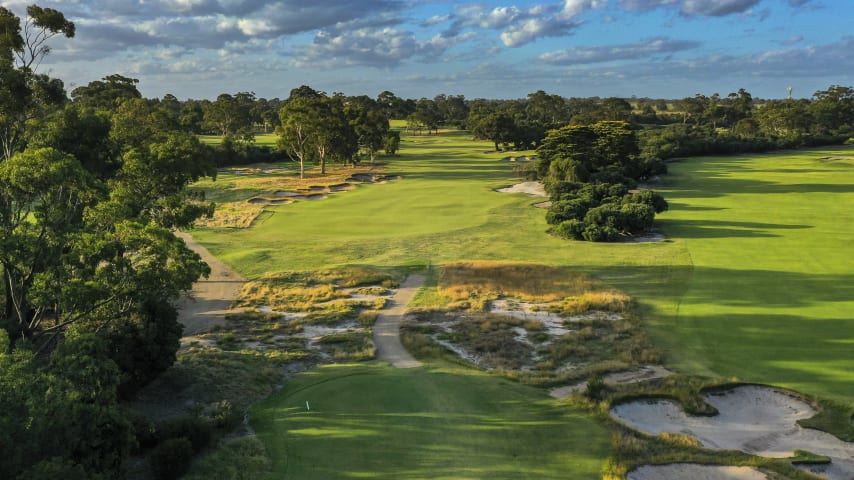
(90, 194)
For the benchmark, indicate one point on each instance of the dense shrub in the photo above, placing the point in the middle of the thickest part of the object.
(197, 430)
(171, 459)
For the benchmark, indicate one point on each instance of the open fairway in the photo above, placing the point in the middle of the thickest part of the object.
(443, 209)
(372, 421)
(770, 294)
(754, 280)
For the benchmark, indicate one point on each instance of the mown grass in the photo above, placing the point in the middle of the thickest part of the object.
(752, 282)
(768, 297)
(435, 422)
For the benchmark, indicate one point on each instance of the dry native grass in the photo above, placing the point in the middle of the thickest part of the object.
(466, 281)
(233, 215)
(554, 325)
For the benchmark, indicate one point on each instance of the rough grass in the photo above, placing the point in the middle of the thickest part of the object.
(530, 282)
(370, 421)
(453, 312)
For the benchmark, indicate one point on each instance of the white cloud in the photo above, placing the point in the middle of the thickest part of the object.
(609, 53)
(708, 8)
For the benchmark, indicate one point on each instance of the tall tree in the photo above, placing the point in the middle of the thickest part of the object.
(25, 94)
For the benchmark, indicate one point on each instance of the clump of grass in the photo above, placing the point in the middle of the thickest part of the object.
(301, 291)
(367, 319)
(603, 301)
(233, 215)
(833, 417)
(349, 347)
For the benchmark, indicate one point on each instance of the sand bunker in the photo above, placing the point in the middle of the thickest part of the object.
(535, 189)
(681, 471)
(267, 201)
(753, 419)
(371, 178)
(546, 204)
(648, 372)
(649, 237)
(341, 187)
(526, 158)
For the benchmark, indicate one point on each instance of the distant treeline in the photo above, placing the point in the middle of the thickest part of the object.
(697, 125)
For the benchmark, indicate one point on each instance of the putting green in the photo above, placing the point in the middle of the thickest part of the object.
(436, 422)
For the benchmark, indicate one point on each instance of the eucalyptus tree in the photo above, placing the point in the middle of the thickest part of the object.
(25, 94)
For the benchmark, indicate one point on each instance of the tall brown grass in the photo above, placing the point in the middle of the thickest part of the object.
(530, 282)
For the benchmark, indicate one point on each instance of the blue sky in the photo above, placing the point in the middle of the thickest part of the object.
(421, 48)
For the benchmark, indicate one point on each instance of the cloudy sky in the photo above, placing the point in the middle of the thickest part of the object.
(421, 48)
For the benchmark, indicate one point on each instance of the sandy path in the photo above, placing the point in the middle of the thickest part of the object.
(207, 304)
(387, 327)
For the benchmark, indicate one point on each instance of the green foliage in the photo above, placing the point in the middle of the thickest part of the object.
(195, 429)
(171, 459)
(238, 459)
(63, 416)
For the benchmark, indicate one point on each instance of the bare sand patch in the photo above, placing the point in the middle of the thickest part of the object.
(547, 204)
(682, 471)
(754, 419)
(535, 189)
(524, 158)
(649, 237)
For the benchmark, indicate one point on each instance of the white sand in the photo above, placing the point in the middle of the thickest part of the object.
(753, 419)
(684, 471)
(535, 189)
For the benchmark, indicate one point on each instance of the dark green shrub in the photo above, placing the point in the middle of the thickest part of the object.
(171, 459)
(197, 430)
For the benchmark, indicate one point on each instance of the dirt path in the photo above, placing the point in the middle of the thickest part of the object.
(387, 328)
(207, 304)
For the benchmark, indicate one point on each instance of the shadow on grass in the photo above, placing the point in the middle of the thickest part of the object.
(721, 286)
(677, 228)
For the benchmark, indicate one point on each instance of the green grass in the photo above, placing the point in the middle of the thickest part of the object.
(443, 209)
(752, 283)
(768, 294)
(436, 422)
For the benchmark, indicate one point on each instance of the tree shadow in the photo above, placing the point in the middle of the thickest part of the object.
(677, 228)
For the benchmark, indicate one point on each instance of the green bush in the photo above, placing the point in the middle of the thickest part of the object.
(197, 430)
(171, 459)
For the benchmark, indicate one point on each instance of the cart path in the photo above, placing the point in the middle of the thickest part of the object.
(387, 327)
(207, 304)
